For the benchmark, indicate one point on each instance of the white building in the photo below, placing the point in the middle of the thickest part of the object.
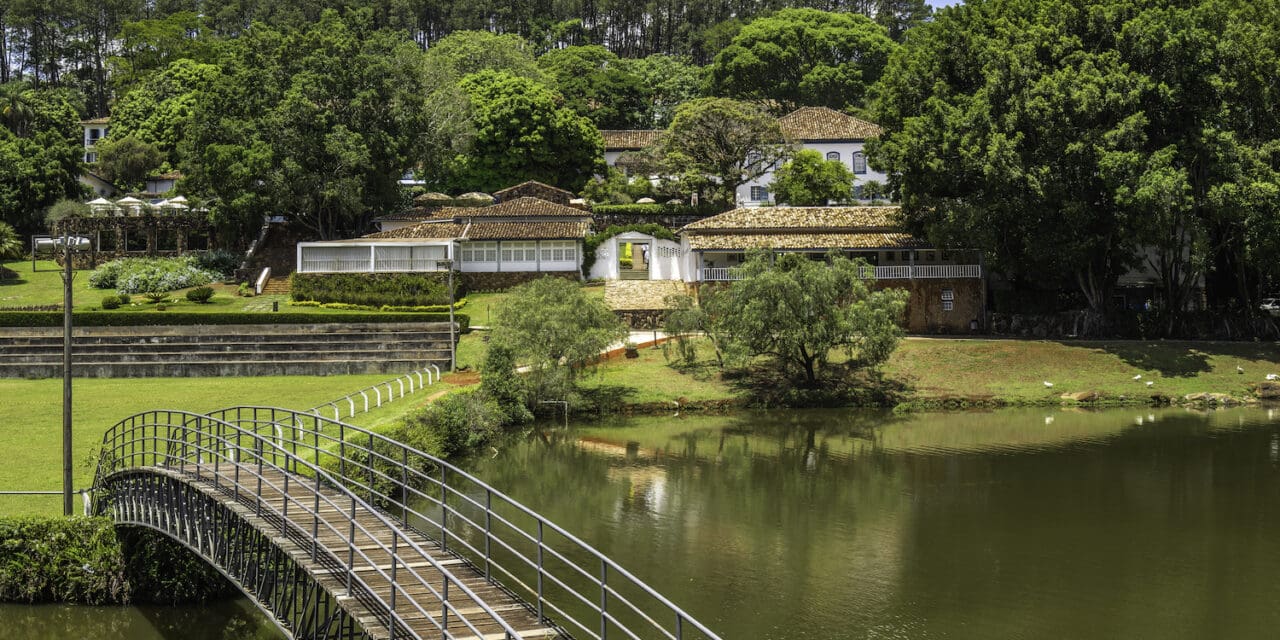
(837, 136)
(519, 236)
(94, 130)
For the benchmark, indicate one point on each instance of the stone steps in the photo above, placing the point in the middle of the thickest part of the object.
(239, 350)
(278, 286)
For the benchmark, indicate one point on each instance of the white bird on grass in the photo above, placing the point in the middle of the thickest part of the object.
(1272, 376)
(1138, 377)
(1239, 369)
(1048, 385)
(1149, 383)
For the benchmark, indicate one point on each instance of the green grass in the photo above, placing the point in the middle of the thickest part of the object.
(652, 379)
(31, 422)
(1016, 370)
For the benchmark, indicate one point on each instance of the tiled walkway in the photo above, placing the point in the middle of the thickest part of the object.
(640, 294)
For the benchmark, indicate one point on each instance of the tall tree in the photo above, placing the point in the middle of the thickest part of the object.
(809, 180)
(595, 85)
(160, 108)
(522, 133)
(729, 141)
(803, 57)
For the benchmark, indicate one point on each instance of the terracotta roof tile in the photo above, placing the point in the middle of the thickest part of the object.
(629, 139)
(810, 218)
(102, 120)
(518, 208)
(416, 214)
(821, 123)
(527, 231)
(817, 241)
(424, 231)
(534, 186)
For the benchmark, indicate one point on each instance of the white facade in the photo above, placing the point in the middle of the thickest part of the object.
(519, 256)
(93, 132)
(849, 153)
(393, 256)
(663, 259)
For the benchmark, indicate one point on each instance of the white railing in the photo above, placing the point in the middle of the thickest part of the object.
(335, 265)
(720, 274)
(381, 393)
(262, 281)
(903, 272)
(407, 264)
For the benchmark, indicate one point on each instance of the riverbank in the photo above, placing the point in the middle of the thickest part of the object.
(943, 373)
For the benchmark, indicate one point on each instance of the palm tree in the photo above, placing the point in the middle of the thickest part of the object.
(16, 110)
(10, 243)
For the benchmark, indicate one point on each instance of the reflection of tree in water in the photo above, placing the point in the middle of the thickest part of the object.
(222, 620)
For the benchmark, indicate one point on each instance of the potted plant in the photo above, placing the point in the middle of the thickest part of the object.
(630, 350)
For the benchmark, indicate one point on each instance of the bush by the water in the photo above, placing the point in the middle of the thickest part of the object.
(453, 425)
(373, 289)
(61, 560)
(200, 295)
(140, 275)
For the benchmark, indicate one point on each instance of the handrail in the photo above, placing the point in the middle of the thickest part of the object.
(261, 283)
(156, 439)
(582, 589)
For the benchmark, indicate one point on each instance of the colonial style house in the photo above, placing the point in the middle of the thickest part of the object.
(493, 247)
(837, 136)
(947, 288)
(95, 129)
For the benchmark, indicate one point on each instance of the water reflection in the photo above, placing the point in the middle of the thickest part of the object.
(222, 620)
(1126, 523)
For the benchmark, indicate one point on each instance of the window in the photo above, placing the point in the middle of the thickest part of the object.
(91, 157)
(519, 252)
(759, 194)
(198, 241)
(559, 251)
(166, 240)
(833, 155)
(479, 252)
(906, 256)
(948, 299)
(94, 134)
(135, 240)
(859, 162)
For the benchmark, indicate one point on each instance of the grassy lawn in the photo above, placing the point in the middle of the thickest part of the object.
(1016, 370)
(652, 379)
(31, 423)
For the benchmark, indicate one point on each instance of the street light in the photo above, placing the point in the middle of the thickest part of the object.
(448, 264)
(69, 243)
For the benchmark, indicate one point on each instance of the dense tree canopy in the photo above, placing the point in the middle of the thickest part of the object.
(596, 86)
(809, 180)
(159, 109)
(40, 152)
(523, 133)
(729, 141)
(799, 310)
(800, 57)
(1065, 137)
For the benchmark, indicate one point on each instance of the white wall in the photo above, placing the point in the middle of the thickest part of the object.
(666, 257)
(846, 151)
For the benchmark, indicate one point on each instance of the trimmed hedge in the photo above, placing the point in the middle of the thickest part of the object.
(374, 289)
(153, 319)
(657, 209)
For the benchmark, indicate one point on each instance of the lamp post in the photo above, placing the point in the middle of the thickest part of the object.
(68, 275)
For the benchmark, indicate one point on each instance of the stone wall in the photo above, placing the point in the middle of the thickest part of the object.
(641, 318)
(504, 281)
(925, 312)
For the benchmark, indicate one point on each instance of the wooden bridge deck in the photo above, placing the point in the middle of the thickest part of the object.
(374, 564)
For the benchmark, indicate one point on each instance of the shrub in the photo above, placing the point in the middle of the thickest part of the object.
(454, 424)
(61, 560)
(219, 261)
(111, 302)
(373, 289)
(245, 291)
(156, 297)
(161, 307)
(124, 298)
(200, 295)
(138, 275)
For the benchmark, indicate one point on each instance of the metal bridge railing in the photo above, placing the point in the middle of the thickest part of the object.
(567, 580)
(240, 460)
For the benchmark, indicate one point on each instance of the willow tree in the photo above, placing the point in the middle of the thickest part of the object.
(799, 311)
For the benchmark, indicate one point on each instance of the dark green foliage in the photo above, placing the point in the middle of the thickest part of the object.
(111, 302)
(124, 298)
(162, 571)
(682, 320)
(593, 241)
(803, 57)
(11, 246)
(200, 294)
(809, 180)
(219, 261)
(453, 425)
(374, 289)
(500, 382)
(127, 161)
(596, 86)
(140, 319)
(61, 560)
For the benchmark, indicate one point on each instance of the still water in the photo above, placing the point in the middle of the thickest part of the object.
(1019, 524)
(839, 524)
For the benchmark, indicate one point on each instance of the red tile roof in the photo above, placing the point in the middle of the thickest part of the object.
(821, 123)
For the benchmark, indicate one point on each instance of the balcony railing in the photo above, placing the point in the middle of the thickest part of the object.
(904, 272)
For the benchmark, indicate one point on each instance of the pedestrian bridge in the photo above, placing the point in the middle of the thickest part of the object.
(338, 532)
